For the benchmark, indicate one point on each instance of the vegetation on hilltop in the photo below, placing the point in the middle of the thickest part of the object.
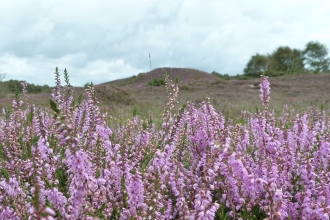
(12, 85)
(285, 61)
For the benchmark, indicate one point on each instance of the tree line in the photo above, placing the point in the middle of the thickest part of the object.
(285, 60)
(12, 85)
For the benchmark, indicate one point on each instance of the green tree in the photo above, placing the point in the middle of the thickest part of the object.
(2, 85)
(14, 84)
(258, 65)
(287, 60)
(315, 57)
(89, 84)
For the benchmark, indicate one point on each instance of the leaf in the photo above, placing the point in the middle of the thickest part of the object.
(4, 173)
(7, 113)
(80, 99)
(177, 80)
(53, 106)
(134, 111)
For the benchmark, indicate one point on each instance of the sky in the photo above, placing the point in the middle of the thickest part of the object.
(104, 40)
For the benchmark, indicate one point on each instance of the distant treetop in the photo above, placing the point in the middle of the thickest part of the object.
(285, 60)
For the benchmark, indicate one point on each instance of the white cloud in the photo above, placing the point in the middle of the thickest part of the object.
(104, 40)
(18, 66)
(102, 70)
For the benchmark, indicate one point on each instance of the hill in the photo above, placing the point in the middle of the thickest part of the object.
(185, 75)
(228, 96)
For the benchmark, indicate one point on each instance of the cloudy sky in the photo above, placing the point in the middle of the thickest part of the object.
(103, 40)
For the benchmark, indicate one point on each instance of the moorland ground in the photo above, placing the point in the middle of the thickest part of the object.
(120, 97)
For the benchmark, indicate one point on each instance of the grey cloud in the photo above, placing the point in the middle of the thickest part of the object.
(106, 40)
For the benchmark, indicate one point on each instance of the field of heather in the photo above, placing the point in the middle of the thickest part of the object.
(69, 160)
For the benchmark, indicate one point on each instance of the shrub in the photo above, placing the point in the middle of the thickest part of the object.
(156, 82)
(222, 76)
(115, 95)
(186, 87)
(219, 81)
(68, 163)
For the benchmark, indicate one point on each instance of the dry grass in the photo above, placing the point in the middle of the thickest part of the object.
(229, 96)
(232, 96)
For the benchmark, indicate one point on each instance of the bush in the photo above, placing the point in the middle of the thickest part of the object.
(222, 76)
(115, 95)
(88, 84)
(186, 87)
(219, 81)
(156, 82)
(13, 85)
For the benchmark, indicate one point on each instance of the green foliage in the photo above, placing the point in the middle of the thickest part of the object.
(177, 79)
(17, 95)
(115, 215)
(99, 211)
(89, 84)
(80, 99)
(53, 106)
(4, 173)
(28, 148)
(315, 57)
(186, 87)
(222, 76)
(31, 88)
(7, 113)
(2, 86)
(98, 173)
(257, 65)
(67, 82)
(66, 77)
(141, 74)
(2, 153)
(10, 85)
(287, 60)
(156, 82)
(62, 176)
(134, 111)
(13, 85)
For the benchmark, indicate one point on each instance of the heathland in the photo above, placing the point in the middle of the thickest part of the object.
(148, 147)
(145, 92)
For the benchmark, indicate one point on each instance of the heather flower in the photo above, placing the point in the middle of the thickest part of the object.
(8, 213)
(198, 165)
(264, 91)
(135, 192)
(204, 208)
(57, 199)
(81, 174)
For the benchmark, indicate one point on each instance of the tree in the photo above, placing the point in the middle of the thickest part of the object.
(297, 60)
(14, 84)
(315, 57)
(89, 84)
(288, 60)
(2, 86)
(257, 65)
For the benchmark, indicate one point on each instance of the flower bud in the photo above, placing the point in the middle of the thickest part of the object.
(266, 208)
(277, 215)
